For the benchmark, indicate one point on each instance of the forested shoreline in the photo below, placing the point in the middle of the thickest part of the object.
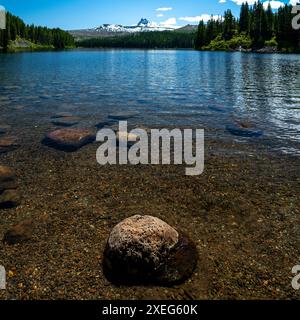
(143, 40)
(31, 36)
(256, 27)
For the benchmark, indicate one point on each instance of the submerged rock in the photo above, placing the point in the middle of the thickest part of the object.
(8, 144)
(19, 233)
(123, 115)
(145, 249)
(6, 173)
(4, 128)
(7, 178)
(65, 121)
(62, 115)
(69, 139)
(244, 129)
(104, 123)
(9, 198)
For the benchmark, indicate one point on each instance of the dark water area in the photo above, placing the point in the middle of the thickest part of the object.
(183, 88)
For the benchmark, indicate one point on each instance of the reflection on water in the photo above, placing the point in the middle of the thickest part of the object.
(168, 88)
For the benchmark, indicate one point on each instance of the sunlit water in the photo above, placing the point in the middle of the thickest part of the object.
(168, 88)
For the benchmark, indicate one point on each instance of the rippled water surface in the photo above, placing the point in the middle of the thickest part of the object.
(168, 88)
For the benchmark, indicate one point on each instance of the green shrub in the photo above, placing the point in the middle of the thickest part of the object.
(218, 44)
(241, 40)
(271, 43)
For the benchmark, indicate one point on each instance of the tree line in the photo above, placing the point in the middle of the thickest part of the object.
(255, 28)
(146, 40)
(16, 28)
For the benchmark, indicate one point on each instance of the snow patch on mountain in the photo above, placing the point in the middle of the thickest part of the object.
(143, 26)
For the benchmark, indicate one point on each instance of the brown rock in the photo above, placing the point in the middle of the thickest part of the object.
(69, 139)
(145, 249)
(19, 233)
(9, 198)
(8, 144)
(6, 173)
(7, 178)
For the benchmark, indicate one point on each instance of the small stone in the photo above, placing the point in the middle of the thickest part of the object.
(4, 128)
(244, 128)
(7, 178)
(123, 115)
(131, 138)
(9, 198)
(62, 115)
(145, 249)
(69, 139)
(6, 173)
(66, 121)
(19, 233)
(8, 144)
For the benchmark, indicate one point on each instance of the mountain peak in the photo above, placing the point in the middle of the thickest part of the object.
(143, 22)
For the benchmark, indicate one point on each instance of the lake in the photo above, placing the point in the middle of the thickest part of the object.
(172, 88)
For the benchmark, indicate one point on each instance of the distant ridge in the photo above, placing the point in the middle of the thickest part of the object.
(108, 30)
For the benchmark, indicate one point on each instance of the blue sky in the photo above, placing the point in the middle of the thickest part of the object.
(76, 14)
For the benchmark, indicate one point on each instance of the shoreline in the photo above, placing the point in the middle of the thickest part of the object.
(22, 50)
(45, 49)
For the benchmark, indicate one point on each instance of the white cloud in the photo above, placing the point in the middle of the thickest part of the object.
(205, 17)
(169, 23)
(274, 4)
(240, 2)
(222, 1)
(159, 15)
(164, 9)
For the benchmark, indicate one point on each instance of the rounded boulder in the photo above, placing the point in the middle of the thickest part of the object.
(145, 249)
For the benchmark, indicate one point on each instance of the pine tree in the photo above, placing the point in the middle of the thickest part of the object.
(200, 39)
(229, 26)
(244, 21)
